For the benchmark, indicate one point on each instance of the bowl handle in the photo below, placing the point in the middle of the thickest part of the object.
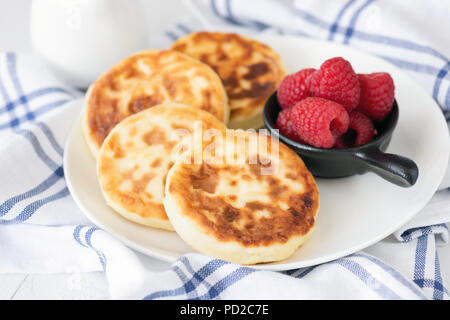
(391, 167)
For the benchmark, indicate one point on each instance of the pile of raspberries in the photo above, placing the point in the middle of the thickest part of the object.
(333, 107)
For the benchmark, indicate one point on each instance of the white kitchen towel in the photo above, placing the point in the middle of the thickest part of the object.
(42, 230)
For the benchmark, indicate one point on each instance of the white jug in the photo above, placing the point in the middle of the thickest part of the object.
(81, 39)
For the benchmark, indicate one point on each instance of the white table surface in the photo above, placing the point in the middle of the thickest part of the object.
(14, 36)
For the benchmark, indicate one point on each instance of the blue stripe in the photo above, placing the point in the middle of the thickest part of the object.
(183, 28)
(229, 16)
(51, 138)
(12, 68)
(367, 279)
(6, 206)
(42, 110)
(371, 37)
(435, 285)
(297, 33)
(290, 272)
(437, 84)
(4, 93)
(414, 233)
(188, 285)
(335, 25)
(198, 278)
(300, 273)
(398, 276)
(303, 34)
(419, 267)
(171, 35)
(100, 255)
(229, 12)
(308, 17)
(258, 24)
(364, 276)
(30, 136)
(166, 293)
(417, 67)
(6, 99)
(34, 94)
(447, 99)
(306, 272)
(351, 27)
(227, 282)
(447, 118)
(31, 209)
(76, 235)
(87, 238)
(204, 272)
(438, 293)
(399, 43)
(214, 7)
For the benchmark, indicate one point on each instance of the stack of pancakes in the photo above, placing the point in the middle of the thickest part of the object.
(149, 117)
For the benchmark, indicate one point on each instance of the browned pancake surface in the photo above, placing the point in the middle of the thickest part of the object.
(237, 203)
(135, 158)
(250, 70)
(147, 79)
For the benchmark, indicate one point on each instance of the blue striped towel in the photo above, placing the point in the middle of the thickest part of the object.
(42, 230)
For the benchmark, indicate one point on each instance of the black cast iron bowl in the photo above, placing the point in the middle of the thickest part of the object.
(338, 163)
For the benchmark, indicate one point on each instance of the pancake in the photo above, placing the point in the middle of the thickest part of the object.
(147, 79)
(250, 71)
(259, 208)
(135, 157)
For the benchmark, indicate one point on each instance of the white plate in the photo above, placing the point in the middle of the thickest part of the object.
(355, 212)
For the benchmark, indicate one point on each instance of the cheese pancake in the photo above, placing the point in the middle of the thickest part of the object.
(250, 71)
(258, 206)
(147, 79)
(135, 157)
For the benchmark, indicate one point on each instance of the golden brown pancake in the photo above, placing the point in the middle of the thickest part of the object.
(259, 208)
(147, 79)
(135, 157)
(250, 71)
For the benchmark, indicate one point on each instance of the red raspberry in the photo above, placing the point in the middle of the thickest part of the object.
(361, 131)
(293, 88)
(285, 125)
(377, 95)
(319, 122)
(336, 81)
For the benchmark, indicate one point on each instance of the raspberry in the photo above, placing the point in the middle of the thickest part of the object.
(319, 122)
(336, 81)
(360, 131)
(377, 95)
(285, 125)
(293, 88)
